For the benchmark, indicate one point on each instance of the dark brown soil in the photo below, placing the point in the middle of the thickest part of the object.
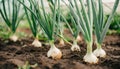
(13, 54)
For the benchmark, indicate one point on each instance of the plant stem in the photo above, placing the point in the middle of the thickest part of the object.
(98, 46)
(52, 43)
(64, 39)
(89, 47)
(75, 42)
(11, 32)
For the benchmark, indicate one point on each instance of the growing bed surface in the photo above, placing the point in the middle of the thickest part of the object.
(17, 53)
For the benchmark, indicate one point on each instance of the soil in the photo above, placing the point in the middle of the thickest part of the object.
(14, 54)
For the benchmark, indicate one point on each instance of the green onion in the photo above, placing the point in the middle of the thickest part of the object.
(33, 22)
(84, 20)
(76, 31)
(74, 28)
(47, 24)
(11, 17)
(101, 27)
(54, 52)
(60, 25)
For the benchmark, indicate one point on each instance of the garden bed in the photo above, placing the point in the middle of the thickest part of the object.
(17, 53)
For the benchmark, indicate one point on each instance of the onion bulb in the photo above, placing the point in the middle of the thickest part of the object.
(62, 43)
(99, 52)
(78, 38)
(54, 52)
(75, 46)
(14, 38)
(90, 58)
(37, 43)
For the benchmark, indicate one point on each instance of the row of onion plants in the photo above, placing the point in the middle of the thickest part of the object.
(90, 18)
(85, 18)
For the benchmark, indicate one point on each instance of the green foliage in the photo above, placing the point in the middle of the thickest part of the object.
(115, 24)
(102, 26)
(31, 18)
(83, 18)
(9, 10)
(46, 21)
(4, 34)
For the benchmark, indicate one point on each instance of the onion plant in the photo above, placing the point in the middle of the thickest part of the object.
(33, 22)
(84, 18)
(9, 10)
(47, 23)
(75, 32)
(60, 24)
(101, 27)
(74, 29)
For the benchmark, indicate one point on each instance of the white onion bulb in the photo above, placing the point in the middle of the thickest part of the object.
(54, 52)
(37, 43)
(62, 43)
(90, 58)
(99, 53)
(14, 38)
(75, 46)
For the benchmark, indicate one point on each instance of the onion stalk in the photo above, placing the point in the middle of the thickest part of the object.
(12, 17)
(84, 20)
(101, 27)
